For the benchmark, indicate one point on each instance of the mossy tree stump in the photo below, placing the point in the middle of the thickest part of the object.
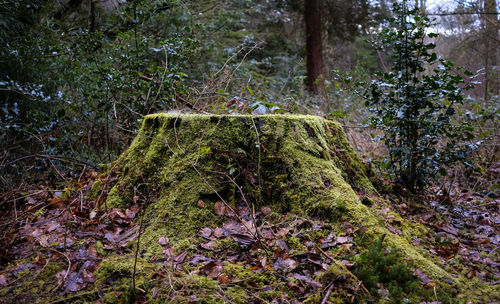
(295, 164)
(292, 163)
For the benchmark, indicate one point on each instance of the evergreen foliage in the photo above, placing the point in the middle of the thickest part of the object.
(415, 102)
(380, 267)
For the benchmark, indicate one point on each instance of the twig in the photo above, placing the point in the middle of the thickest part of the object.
(327, 294)
(340, 264)
(257, 234)
(258, 143)
(136, 254)
(53, 157)
(67, 271)
(493, 250)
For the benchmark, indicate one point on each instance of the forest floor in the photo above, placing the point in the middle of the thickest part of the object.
(47, 222)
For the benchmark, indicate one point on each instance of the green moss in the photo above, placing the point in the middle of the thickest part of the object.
(295, 245)
(117, 272)
(100, 248)
(237, 294)
(95, 190)
(251, 278)
(32, 287)
(116, 198)
(298, 164)
(228, 243)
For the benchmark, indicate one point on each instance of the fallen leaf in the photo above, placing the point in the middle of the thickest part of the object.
(393, 229)
(218, 232)
(220, 208)
(266, 211)
(205, 233)
(347, 263)
(163, 240)
(53, 225)
(307, 280)
(243, 238)
(283, 231)
(285, 264)
(198, 258)
(344, 239)
(213, 269)
(224, 279)
(180, 258)
(424, 279)
(3, 280)
(132, 211)
(209, 245)
(293, 286)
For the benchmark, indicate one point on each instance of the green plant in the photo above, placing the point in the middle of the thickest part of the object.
(378, 268)
(414, 103)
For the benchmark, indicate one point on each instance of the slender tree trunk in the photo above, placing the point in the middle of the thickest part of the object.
(314, 59)
(91, 20)
(422, 7)
(491, 44)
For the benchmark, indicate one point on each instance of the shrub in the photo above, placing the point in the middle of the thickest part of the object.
(414, 103)
(379, 268)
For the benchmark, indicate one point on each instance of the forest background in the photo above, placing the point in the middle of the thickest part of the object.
(77, 76)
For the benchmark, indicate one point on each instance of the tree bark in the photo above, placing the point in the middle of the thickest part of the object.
(491, 44)
(91, 21)
(312, 16)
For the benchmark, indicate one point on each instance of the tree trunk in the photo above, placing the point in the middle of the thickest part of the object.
(314, 59)
(91, 21)
(491, 38)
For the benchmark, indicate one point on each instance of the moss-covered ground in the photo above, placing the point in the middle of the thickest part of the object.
(241, 209)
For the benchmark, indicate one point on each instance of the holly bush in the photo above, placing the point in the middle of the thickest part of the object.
(415, 102)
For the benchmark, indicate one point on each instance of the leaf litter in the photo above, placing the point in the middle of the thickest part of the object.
(57, 226)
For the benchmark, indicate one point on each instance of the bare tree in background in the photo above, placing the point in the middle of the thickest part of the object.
(420, 4)
(491, 45)
(312, 16)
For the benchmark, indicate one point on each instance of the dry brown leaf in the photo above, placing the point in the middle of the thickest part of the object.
(132, 211)
(205, 233)
(220, 208)
(266, 211)
(283, 231)
(180, 258)
(393, 229)
(163, 240)
(208, 245)
(218, 232)
(224, 279)
(3, 280)
(344, 239)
